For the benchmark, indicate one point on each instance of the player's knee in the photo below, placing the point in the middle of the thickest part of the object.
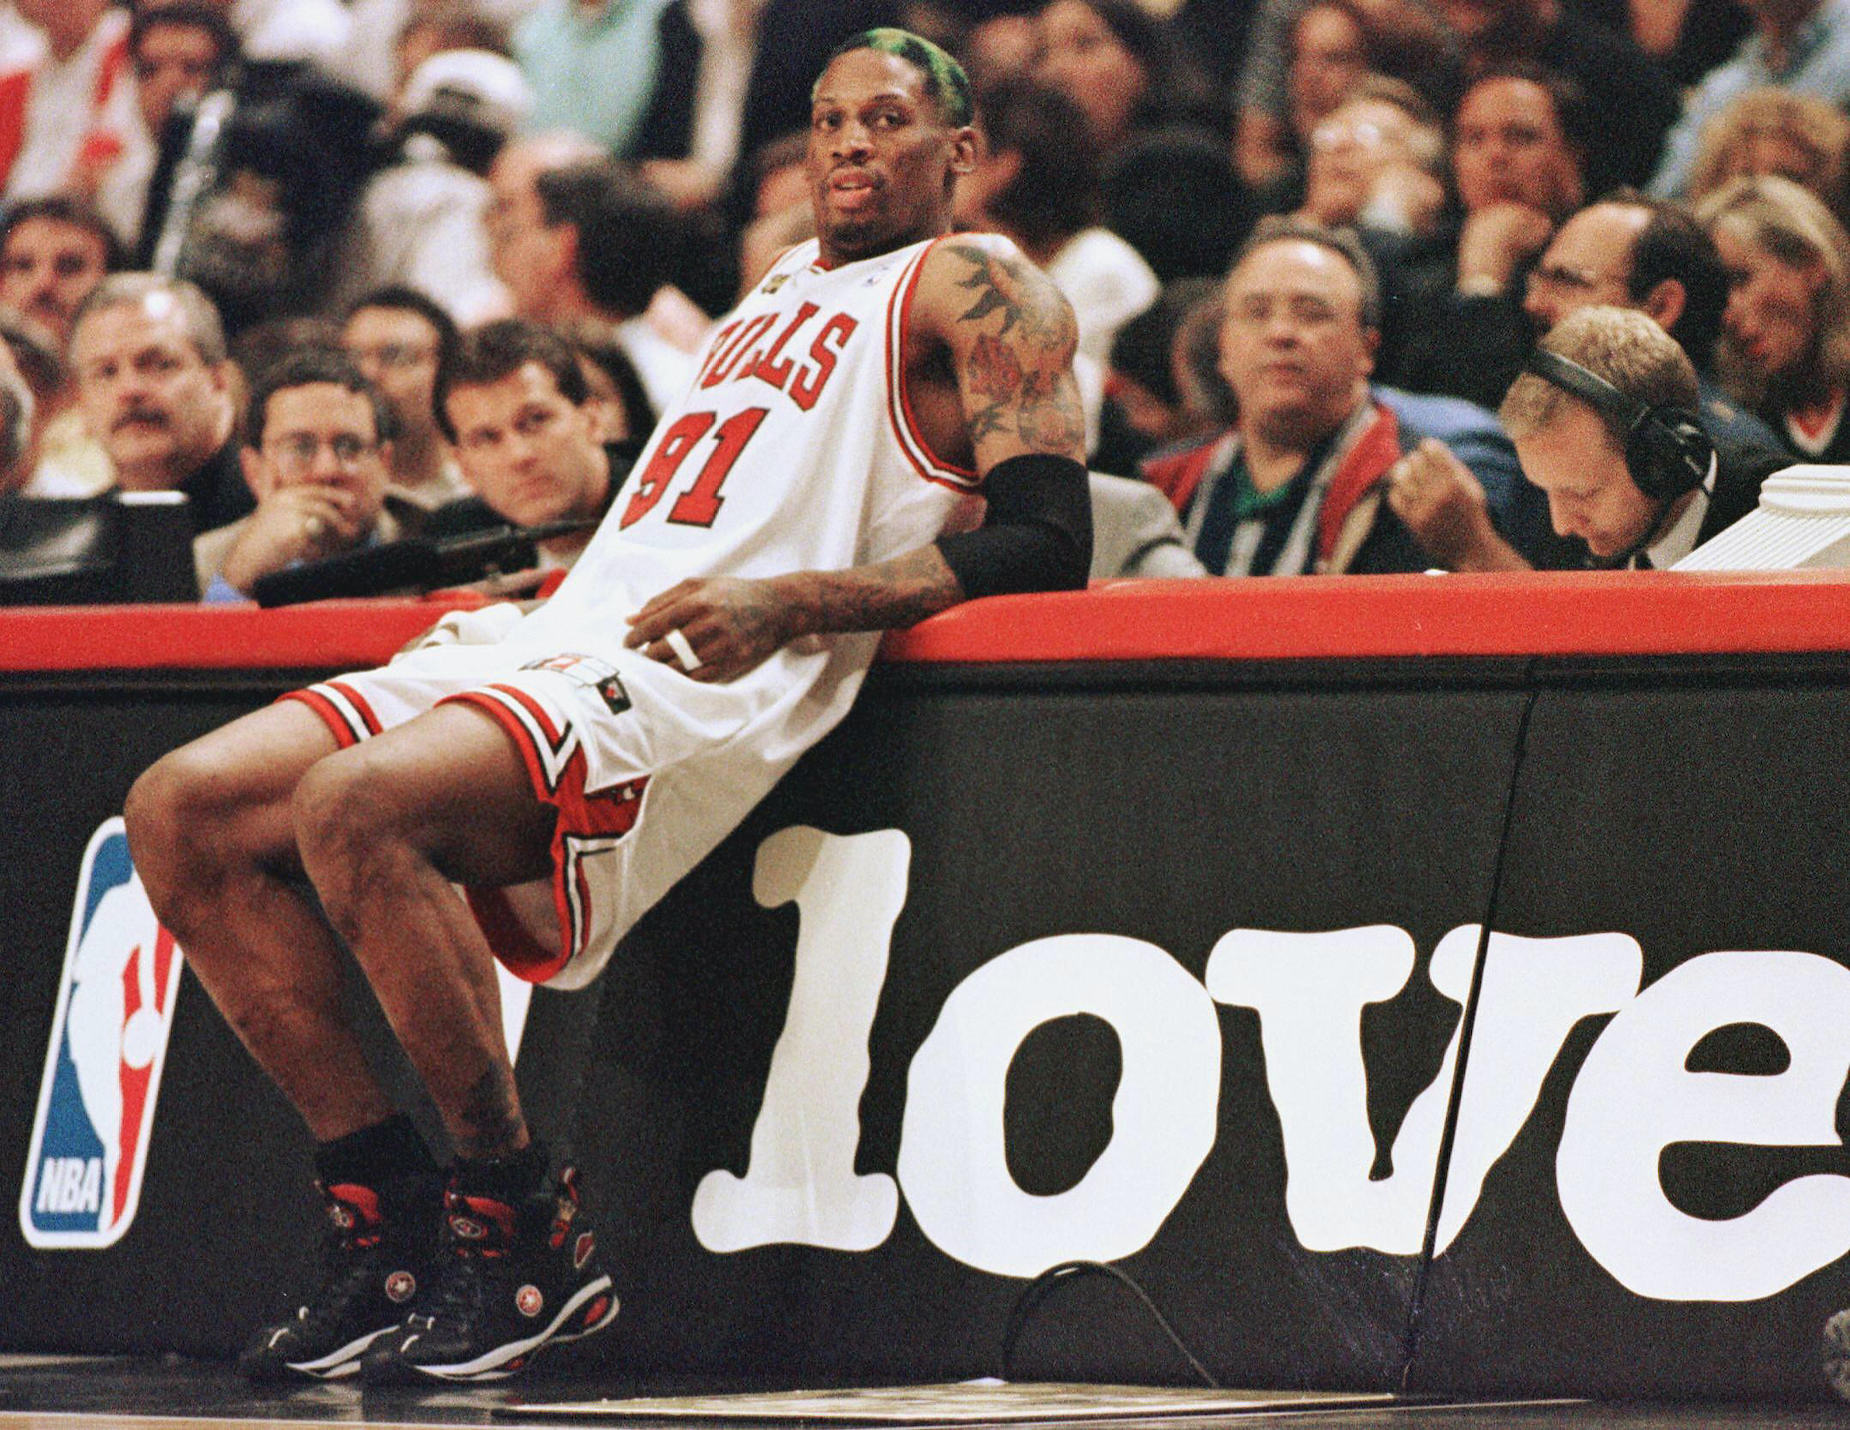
(344, 812)
(167, 812)
(329, 801)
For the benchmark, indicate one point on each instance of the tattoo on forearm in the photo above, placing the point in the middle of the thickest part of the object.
(899, 592)
(1018, 375)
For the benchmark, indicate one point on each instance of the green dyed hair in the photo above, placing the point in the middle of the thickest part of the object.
(945, 80)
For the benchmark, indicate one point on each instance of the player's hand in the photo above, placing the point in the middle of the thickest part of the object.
(304, 522)
(730, 626)
(1442, 504)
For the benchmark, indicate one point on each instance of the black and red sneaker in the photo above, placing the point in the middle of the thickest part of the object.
(378, 1257)
(509, 1281)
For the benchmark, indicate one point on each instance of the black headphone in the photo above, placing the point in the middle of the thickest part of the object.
(1666, 451)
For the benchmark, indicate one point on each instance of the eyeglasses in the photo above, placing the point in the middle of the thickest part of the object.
(296, 453)
(1341, 134)
(393, 354)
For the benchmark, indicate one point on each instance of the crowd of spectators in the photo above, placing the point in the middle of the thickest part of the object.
(346, 271)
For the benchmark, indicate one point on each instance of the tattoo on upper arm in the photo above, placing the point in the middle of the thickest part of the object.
(1018, 374)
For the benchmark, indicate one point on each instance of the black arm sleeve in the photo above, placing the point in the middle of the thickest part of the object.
(1037, 534)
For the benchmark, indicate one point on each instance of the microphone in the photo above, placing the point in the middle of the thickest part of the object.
(415, 562)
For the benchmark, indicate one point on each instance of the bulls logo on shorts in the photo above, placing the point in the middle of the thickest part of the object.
(589, 671)
(103, 1062)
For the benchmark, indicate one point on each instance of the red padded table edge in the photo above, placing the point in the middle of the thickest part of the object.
(1577, 613)
(1354, 617)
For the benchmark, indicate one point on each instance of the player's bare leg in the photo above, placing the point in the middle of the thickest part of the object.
(212, 830)
(384, 829)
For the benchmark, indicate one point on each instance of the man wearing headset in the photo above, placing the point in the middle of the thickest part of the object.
(1602, 416)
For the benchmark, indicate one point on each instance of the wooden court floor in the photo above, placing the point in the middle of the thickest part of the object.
(62, 1393)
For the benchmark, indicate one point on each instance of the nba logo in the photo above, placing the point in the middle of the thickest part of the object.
(103, 1068)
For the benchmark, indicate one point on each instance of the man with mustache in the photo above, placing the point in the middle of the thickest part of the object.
(155, 389)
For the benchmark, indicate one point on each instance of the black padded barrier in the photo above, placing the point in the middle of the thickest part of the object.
(1064, 988)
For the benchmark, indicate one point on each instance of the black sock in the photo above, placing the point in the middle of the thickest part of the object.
(374, 1155)
(511, 1179)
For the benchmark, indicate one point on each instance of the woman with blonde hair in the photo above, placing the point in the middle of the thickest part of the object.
(1785, 345)
(1775, 131)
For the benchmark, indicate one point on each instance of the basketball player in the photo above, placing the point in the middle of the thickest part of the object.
(877, 385)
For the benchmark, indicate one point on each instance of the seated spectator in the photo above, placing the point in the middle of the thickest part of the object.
(1121, 66)
(1797, 45)
(53, 252)
(399, 339)
(1625, 467)
(1775, 131)
(1331, 49)
(527, 434)
(1035, 186)
(180, 50)
(1625, 251)
(316, 456)
(1628, 251)
(586, 247)
(1616, 80)
(1520, 140)
(998, 47)
(1296, 486)
(155, 389)
(1785, 348)
(1406, 39)
(422, 221)
(72, 104)
(1376, 161)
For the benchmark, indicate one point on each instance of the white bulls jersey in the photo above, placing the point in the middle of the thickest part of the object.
(793, 450)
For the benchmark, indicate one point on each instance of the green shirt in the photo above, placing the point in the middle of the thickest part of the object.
(592, 69)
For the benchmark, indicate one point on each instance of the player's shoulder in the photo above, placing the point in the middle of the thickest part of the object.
(967, 277)
(958, 258)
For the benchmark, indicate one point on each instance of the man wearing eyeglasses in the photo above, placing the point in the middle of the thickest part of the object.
(317, 462)
(1625, 251)
(399, 338)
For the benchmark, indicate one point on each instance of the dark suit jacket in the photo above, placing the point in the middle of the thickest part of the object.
(794, 38)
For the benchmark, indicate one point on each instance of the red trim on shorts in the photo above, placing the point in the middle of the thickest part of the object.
(518, 951)
(344, 734)
(608, 814)
(373, 726)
